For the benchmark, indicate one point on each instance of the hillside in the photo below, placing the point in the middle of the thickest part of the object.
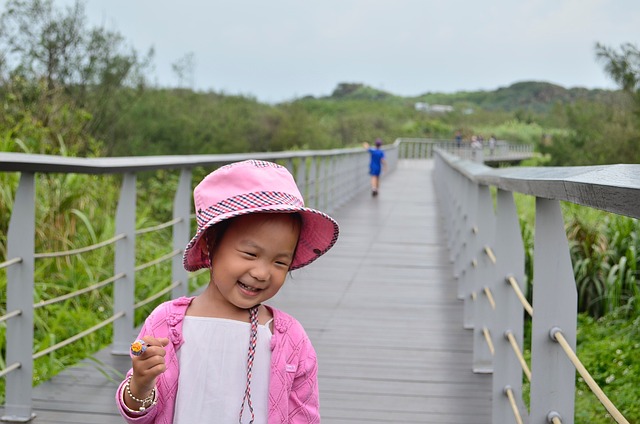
(528, 95)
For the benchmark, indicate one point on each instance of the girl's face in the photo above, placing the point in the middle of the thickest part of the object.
(251, 260)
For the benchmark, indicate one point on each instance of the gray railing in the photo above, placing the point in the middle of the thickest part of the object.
(417, 148)
(327, 179)
(488, 254)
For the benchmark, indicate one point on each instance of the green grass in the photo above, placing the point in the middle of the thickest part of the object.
(71, 216)
(607, 347)
(603, 253)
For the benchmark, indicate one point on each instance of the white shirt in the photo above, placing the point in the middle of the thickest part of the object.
(213, 372)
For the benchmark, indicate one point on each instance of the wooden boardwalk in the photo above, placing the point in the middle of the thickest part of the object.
(381, 311)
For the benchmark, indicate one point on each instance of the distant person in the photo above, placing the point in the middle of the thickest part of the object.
(476, 146)
(224, 356)
(458, 138)
(377, 164)
(492, 144)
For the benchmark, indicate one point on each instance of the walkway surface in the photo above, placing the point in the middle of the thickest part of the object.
(380, 309)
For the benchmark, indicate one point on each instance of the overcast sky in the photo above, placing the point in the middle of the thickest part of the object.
(278, 50)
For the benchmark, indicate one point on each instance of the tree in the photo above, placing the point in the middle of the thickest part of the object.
(93, 67)
(184, 70)
(623, 67)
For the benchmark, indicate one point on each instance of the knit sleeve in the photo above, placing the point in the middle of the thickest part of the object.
(146, 417)
(304, 400)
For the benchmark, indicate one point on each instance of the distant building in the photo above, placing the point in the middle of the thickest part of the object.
(426, 107)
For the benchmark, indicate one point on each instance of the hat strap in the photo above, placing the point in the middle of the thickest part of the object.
(253, 314)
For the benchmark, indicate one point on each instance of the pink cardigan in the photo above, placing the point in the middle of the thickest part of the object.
(293, 385)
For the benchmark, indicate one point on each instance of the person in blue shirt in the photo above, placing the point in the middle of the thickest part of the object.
(376, 165)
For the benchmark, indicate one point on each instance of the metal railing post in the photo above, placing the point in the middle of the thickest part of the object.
(312, 184)
(392, 158)
(509, 250)
(469, 240)
(555, 305)
(456, 189)
(181, 232)
(332, 187)
(345, 185)
(20, 286)
(301, 179)
(323, 182)
(484, 268)
(457, 245)
(125, 261)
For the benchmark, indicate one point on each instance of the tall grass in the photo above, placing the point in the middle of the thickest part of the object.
(603, 249)
(604, 254)
(74, 211)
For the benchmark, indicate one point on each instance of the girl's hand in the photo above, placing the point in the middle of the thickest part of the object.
(147, 367)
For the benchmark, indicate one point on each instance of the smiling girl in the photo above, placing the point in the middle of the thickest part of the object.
(191, 362)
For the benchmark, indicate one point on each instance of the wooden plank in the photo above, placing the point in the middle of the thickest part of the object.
(380, 309)
(382, 312)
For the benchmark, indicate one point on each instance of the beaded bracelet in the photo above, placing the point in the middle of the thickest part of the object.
(150, 400)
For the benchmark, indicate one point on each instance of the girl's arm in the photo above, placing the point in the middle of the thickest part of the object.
(304, 400)
(131, 415)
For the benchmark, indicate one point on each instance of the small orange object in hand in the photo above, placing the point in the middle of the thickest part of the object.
(138, 347)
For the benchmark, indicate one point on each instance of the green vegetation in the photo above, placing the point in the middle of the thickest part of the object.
(608, 349)
(603, 249)
(70, 90)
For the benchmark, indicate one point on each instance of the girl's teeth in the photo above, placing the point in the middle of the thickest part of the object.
(244, 286)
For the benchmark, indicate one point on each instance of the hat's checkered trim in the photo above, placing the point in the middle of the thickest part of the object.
(254, 162)
(244, 202)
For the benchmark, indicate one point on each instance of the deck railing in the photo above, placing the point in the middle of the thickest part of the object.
(503, 151)
(487, 251)
(327, 179)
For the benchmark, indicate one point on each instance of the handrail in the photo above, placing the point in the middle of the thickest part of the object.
(22, 162)
(10, 262)
(612, 188)
(313, 170)
(487, 337)
(487, 292)
(557, 336)
(464, 187)
(555, 419)
(615, 189)
(78, 336)
(157, 295)
(159, 226)
(516, 349)
(525, 303)
(10, 368)
(81, 250)
(508, 391)
(156, 261)
(77, 293)
(11, 314)
(490, 254)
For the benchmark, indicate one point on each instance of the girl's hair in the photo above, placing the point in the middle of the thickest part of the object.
(214, 235)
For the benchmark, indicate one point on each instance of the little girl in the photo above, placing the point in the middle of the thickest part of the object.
(223, 356)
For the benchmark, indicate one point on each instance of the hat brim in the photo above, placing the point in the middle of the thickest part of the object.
(318, 234)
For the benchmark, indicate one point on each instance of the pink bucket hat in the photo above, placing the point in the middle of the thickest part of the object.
(256, 186)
